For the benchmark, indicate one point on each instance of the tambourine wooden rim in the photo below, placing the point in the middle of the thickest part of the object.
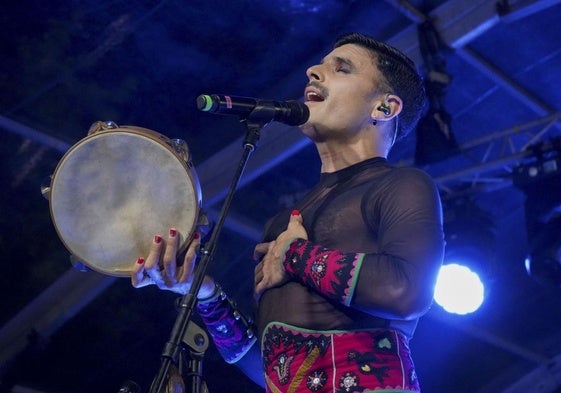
(115, 189)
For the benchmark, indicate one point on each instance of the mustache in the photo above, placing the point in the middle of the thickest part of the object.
(323, 91)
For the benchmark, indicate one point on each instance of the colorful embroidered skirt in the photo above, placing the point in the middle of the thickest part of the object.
(298, 360)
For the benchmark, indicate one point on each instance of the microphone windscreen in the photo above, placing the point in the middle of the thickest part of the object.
(299, 113)
(204, 102)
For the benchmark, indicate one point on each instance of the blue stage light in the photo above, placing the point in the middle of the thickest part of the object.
(469, 262)
(459, 290)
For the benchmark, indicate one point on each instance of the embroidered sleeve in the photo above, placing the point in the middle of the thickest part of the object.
(232, 332)
(330, 272)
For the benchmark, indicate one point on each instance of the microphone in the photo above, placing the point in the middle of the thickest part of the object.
(290, 112)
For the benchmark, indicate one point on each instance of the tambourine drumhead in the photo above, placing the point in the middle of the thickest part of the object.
(114, 190)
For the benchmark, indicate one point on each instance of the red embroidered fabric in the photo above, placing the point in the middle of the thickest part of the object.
(331, 272)
(298, 361)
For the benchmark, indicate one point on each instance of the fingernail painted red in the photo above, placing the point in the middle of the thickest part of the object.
(196, 235)
(157, 239)
(140, 261)
(173, 232)
(295, 212)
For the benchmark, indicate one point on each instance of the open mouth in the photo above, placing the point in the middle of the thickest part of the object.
(314, 96)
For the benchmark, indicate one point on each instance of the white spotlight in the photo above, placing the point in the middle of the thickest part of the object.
(458, 289)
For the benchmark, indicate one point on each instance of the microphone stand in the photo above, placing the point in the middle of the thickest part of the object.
(256, 120)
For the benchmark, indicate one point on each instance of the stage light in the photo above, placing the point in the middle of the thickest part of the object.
(464, 277)
(543, 262)
(459, 290)
(540, 179)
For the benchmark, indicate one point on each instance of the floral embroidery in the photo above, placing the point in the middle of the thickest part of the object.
(282, 367)
(316, 380)
(349, 382)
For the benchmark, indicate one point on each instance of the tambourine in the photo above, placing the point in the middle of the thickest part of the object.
(115, 189)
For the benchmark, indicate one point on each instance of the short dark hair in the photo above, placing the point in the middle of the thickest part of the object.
(401, 78)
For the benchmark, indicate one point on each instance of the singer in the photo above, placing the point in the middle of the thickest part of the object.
(343, 276)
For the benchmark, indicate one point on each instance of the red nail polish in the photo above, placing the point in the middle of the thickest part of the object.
(140, 261)
(295, 212)
(157, 239)
(196, 235)
(173, 232)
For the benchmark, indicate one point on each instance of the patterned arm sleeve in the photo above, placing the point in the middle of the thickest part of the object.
(232, 332)
(330, 272)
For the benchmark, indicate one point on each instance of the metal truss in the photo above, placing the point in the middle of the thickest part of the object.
(495, 155)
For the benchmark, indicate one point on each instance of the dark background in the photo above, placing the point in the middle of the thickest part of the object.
(66, 64)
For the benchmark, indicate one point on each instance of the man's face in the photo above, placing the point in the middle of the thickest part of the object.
(341, 94)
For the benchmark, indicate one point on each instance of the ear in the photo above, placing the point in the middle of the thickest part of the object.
(387, 108)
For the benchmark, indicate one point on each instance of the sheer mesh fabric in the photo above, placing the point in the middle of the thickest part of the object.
(391, 214)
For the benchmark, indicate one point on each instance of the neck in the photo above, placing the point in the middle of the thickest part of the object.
(336, 156)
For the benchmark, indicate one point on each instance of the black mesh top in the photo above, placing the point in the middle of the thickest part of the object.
(391, 214)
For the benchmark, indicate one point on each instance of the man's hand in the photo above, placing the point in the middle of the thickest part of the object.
(270, 272)
(160, 267)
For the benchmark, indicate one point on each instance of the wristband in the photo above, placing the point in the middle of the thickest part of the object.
(232, 332)
(332, 273)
